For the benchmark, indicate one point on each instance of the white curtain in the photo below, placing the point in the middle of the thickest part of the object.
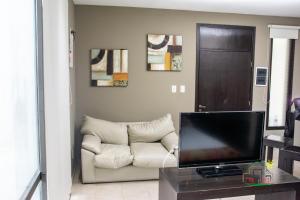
(19, 155)
(282, 37)
(279, 81)
(285, 32)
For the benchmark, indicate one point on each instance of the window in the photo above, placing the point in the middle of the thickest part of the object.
(21, 118)
(37, 195)
(281, 77)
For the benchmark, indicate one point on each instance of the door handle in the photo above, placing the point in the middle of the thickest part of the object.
(201, 107)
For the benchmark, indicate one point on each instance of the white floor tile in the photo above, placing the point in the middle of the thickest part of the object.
(82, 197)
(138, 190)
(108, 191)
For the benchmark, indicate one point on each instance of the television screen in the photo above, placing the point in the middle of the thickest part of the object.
(213, 138)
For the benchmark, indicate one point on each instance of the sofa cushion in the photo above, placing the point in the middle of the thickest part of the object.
(91, 143)
(151, 155)
(170, 141)
(113, 156)
(109, 132)
(151, 131)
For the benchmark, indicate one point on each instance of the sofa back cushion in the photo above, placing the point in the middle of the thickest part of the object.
(109, 132)
(151, 131)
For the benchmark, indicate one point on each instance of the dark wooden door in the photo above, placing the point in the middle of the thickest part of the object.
(225, 57)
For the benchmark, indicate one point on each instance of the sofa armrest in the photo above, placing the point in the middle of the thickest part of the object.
(87, 166)
(170, 142)
(91, 143)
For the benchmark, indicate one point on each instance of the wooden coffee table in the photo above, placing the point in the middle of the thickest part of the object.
(187, 184)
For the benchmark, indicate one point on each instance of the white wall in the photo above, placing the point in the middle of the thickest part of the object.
(57, 106)
(296, 94)
(297, 134)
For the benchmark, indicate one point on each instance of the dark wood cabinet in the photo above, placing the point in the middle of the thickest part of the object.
(187, 184)
(224, 68)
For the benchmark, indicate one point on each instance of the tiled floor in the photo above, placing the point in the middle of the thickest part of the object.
(139, 190)
(142, 190)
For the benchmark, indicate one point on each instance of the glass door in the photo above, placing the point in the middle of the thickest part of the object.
(22, 167)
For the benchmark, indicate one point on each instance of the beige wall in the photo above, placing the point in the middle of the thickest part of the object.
(148, 94)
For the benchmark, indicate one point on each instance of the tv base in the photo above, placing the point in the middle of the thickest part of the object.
(211, 172)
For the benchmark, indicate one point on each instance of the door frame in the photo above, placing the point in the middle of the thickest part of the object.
(198, 25)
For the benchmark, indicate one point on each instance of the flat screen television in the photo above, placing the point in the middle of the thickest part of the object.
(219, 138)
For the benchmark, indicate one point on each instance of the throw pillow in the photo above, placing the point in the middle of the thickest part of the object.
(151, 131)
(109, 132)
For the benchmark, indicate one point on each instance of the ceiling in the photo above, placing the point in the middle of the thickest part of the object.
(257, 7)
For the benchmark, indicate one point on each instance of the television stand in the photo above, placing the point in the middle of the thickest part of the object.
(217, 171)
(186, 184)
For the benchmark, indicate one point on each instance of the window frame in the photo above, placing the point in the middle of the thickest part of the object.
(290, 83)
(39, 177)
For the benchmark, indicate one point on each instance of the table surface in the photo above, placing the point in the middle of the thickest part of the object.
(188, 180)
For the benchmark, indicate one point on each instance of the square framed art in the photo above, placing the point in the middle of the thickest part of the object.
(109, 67)
(164, 52)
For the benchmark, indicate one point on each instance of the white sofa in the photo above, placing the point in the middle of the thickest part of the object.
(120, 151)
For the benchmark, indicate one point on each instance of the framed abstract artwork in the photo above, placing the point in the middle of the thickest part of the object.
(109, 67)
(164, 52)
